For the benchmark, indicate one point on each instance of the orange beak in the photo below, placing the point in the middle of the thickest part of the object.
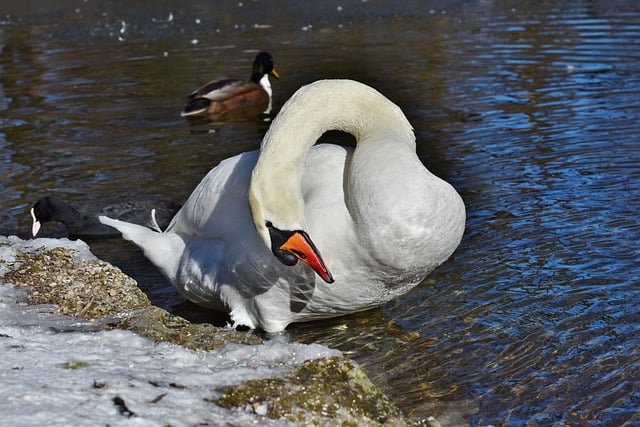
(301, 246)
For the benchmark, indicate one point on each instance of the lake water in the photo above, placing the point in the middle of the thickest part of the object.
(530, 109)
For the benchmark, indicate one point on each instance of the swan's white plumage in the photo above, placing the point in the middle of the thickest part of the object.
(378, 217)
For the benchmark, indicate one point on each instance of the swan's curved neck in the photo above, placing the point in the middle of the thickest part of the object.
(325, 105)
(389, 196)
(342, 105)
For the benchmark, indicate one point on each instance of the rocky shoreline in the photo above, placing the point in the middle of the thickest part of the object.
(324, 391)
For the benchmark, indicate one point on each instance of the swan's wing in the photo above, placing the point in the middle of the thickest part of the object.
(218, 206)
(218, 210)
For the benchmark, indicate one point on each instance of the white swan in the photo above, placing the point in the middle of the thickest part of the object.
(372, 222)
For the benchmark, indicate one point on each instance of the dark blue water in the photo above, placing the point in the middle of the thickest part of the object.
(530, 109)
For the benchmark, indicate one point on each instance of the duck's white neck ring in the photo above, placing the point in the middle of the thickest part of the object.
(266, 85)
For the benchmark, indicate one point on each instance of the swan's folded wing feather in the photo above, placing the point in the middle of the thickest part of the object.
(218, 207)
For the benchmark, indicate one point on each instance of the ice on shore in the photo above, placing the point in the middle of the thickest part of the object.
(60, 371)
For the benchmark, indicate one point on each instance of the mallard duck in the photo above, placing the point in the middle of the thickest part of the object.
(220, 97)
(367, 224)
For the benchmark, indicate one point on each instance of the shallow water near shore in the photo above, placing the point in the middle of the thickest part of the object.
(530, 109)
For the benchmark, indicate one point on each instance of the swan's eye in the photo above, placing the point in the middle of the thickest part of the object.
(286, 258)
(278, 238)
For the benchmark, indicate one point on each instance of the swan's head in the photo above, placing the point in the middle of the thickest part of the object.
(282, 230)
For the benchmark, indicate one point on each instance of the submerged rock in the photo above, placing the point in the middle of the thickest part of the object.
(325, 391)
(328, 391)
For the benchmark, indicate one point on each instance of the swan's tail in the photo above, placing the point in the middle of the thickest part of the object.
(138, 234)
(162, 249)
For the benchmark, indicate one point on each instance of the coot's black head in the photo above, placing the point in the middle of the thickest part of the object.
(43, 210)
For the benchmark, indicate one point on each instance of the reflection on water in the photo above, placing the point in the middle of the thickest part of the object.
(529, 109)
